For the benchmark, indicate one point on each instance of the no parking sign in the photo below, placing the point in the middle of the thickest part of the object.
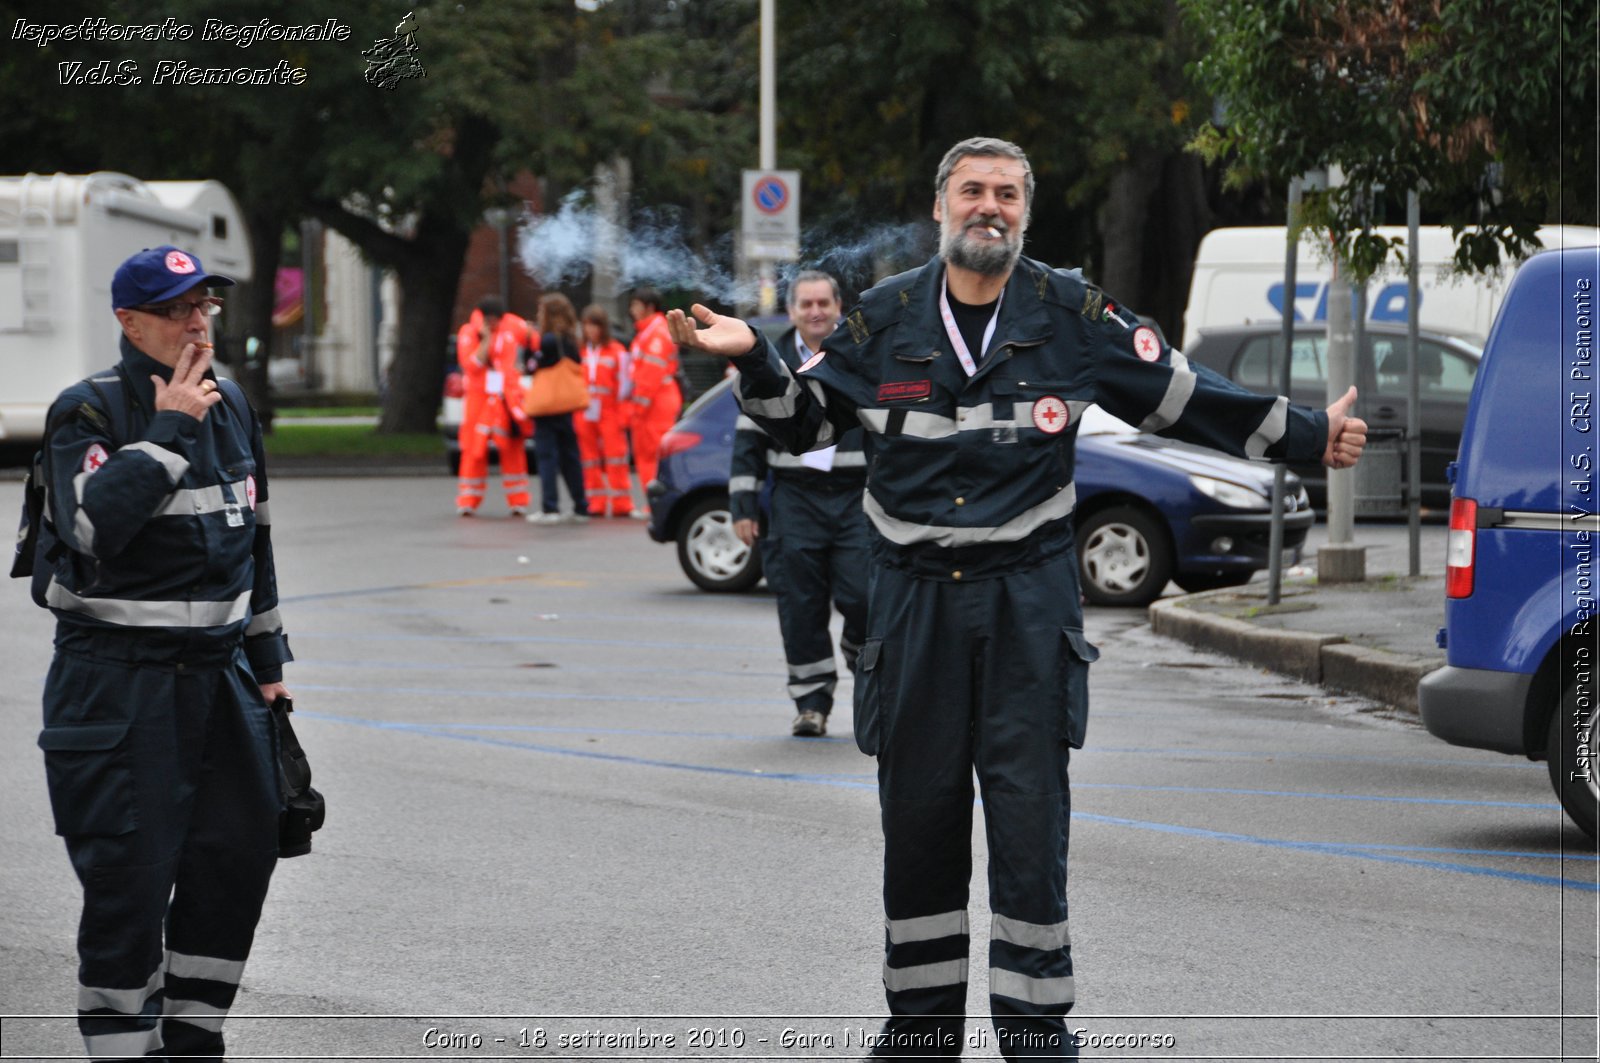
(770, 214)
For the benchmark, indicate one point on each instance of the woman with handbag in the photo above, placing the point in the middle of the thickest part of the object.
(559, 389)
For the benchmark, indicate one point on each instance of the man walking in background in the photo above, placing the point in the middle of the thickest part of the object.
(814, 547)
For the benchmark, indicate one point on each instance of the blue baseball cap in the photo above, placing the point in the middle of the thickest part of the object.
(158, 273)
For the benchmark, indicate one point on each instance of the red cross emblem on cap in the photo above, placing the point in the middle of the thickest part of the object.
(178, 262)
(94, 458)
(1050, 415)
(1146, 345)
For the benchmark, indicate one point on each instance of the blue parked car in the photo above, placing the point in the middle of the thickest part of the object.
(1520, 576)
(1149, 509)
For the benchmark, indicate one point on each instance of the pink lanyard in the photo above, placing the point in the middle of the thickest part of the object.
(962, 352)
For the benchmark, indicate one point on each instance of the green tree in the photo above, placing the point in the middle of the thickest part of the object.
(873, 94)
(1487, 106)
(406, 173)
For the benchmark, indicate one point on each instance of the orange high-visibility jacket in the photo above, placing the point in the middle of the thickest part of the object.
(655, 361)
(510, 337)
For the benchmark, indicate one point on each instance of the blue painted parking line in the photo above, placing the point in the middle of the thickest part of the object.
(538, 695)
(1336, 849)
(1379, 798)
(1355, 851)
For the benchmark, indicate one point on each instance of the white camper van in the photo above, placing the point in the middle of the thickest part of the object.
(1238, 280)
(61, 238)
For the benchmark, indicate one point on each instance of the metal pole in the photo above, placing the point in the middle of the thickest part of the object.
(769, 81)
(1280, 472)
(1413, 398)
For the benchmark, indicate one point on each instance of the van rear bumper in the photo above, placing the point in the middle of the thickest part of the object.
(1475, 707)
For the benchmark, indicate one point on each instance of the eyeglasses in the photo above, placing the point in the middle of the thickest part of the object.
(210, 306)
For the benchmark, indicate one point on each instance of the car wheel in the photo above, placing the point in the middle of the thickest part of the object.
(1193, 582)
(1123, 557)
(711, 555)
(1570, 757)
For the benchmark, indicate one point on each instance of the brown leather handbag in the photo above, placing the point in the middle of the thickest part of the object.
(560, 388)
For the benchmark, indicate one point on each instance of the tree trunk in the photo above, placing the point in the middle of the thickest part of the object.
(1124, 219)
(416, 376)
(1180, 217)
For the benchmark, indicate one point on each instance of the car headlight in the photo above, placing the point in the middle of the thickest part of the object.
(1230, 494)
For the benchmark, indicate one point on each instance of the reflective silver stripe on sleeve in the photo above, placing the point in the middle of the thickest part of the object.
(133, 1044)
(206, 1016)
(263, 513)
(1179, 388)
(782, 459)
(924, 976)
(806, 671)
(1270, 430)
(741, 484)
(126, 1001)
(208, 967)
(175, 464)
(1041, 936)
(1044, 991)
(745, 424)
(262, 623)
(211, 499)
(82, 526)
(825, 431)
(780, 407)
(927, 927)
(1021, 526)
(129, 613)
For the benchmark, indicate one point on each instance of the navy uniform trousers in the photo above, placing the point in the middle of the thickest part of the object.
(816, 551)
(961, 673)
(164, 784)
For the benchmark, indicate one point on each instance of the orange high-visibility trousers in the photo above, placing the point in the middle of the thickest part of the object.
(491, 422)
(650, 423)
(604, 448)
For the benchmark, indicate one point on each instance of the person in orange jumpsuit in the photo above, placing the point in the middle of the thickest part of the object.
(488, 347)
(656, 400)
(602, 428)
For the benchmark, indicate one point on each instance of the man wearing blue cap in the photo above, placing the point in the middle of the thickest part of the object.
(158, 739)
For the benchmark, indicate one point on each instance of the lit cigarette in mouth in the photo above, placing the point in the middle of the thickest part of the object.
(992, 231)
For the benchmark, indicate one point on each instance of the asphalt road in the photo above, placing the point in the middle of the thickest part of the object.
(562, 799)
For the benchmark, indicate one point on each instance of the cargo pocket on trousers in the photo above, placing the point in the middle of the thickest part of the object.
(90, 775)
(1077, 653)
(867, 698)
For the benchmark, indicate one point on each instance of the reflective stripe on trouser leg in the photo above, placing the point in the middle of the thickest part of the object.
(228, 859)
(588, 433)
(796, 557)
(121, 1023)
(925, 792)
(1021, 756)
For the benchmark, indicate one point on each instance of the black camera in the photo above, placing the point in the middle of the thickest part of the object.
(304, 808)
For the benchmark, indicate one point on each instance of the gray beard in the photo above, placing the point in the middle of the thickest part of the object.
(991, 258)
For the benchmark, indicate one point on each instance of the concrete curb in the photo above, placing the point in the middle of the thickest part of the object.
(1329, 661)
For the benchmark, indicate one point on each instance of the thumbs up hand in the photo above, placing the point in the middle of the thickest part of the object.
(1347, 435)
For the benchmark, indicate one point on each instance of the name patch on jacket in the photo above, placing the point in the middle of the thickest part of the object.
(905, 390)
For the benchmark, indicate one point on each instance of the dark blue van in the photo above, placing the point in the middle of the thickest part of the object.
(1521, 570)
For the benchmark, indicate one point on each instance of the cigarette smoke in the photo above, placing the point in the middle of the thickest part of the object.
(561, 249)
